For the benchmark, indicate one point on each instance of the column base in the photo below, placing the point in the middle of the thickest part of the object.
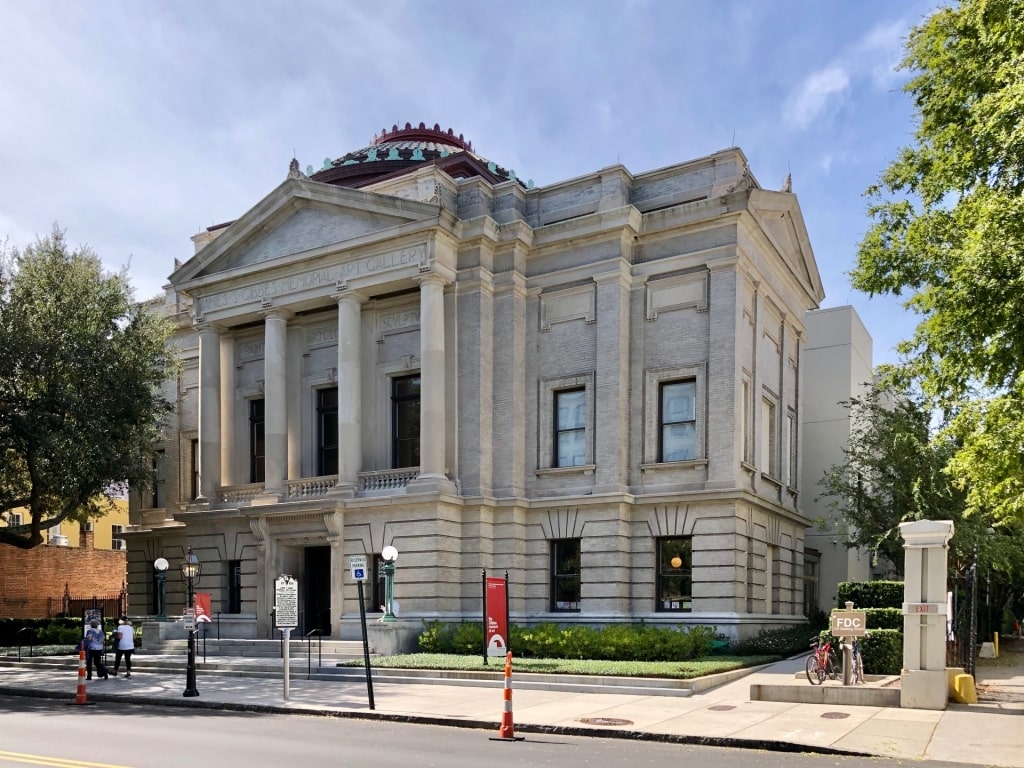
(267, 497)
(431, 484)
(924, 689)
(343, 491)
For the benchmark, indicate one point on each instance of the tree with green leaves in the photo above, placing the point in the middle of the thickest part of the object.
(948, 236)
(81, 368)
(892, 472)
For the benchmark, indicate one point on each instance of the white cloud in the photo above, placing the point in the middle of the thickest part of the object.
(820, 92)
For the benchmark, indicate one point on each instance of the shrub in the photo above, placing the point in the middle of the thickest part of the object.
(884, 618)
(437, 637)
(784, 641)
(870, 594)
(882, 651)
(616, 642)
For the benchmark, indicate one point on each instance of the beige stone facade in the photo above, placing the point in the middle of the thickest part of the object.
(607, 377)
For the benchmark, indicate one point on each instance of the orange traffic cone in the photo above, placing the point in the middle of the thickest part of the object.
(507, 732)
(80, 693)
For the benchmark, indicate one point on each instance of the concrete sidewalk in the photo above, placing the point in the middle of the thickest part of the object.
(982, 734)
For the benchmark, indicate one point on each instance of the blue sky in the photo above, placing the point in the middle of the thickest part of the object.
(135, 125)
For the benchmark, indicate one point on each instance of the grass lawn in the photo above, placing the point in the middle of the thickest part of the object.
(683, 670)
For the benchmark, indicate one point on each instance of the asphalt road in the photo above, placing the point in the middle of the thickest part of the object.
(60, 735)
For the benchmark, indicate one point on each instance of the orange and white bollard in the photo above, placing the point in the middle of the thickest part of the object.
(80, 693)
(507, 732)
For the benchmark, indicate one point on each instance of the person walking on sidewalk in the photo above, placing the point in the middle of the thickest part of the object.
(124, 645)
(94, 650)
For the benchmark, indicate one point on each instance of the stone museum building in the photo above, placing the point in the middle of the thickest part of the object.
(593, 385)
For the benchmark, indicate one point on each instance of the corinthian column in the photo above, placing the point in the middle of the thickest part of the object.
(350, 453)
(275, 400)
(209, 412)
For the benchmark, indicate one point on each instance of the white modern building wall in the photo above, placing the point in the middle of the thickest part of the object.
(837, 366)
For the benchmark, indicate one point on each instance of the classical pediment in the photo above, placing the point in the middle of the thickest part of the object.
(783, 224)
(300, 217)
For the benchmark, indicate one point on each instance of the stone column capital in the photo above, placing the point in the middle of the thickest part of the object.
(432, 278)
(355, 296)
(277, 313)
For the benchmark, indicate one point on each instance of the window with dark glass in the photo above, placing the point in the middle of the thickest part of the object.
(675, 574)
(159, 479)
(570, 427)
(405, 421)
(257, 442)
(565, 575)
(327, 431)
(234, 586)
(194, 453)
(678, 419)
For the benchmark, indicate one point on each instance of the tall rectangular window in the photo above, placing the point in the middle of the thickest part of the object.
(327, 431)
(811, 578)
(769, 439)
(565, 575)
(791, 453)
(257, 442)
(234, 586)
(675, 574)
(405, 421)
(14, 518)
(159, 479)
(678, 419)
(570, 421)
(745, 422)
(194, 461)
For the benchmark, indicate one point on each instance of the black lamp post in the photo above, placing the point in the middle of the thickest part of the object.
(190, 570)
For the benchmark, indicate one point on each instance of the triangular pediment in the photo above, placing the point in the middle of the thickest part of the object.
(297, 218)
(783, 224)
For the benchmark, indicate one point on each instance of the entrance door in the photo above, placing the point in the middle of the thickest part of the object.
(316, 586)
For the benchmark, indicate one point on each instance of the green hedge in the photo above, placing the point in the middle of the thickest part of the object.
(884, 618)
(777, 642)
(616, 642)
(870, 594)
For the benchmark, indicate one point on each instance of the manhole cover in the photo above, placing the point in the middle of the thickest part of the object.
(605, 721)
(721, 707)
(835, 715)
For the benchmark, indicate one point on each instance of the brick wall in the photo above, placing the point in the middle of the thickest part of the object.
(29, 579)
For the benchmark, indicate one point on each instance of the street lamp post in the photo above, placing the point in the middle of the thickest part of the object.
(160, 567)
(190, 570)
(389, 555)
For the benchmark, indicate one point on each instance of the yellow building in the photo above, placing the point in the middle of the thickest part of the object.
(106, 530)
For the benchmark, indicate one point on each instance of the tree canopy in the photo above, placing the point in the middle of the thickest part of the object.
(81, 366)
(948, 235)
(892, 472)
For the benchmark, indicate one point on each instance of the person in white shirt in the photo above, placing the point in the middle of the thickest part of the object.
(124, 642)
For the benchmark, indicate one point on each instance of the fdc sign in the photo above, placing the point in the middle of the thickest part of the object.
(849, 623)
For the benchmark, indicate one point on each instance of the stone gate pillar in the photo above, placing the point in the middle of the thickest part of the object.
(923, 681)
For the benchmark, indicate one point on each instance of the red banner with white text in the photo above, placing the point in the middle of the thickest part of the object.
(496, 610)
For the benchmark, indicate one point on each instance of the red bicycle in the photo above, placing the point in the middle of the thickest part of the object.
(821, 663)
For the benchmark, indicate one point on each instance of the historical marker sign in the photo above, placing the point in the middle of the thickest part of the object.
(286, 602)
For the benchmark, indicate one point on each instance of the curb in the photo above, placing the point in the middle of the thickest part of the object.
(559, 730)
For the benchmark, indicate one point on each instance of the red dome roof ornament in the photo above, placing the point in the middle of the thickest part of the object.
(422, 133)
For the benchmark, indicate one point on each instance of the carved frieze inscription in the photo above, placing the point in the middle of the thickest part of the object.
(251, 350)
(333, 276)
(395, 322)
(322, 336)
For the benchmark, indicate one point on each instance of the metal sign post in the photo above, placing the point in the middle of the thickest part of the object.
(286, 618)
(358, 565)
(847, 625)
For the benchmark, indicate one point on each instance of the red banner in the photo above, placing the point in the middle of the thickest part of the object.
(496, 610)
(203, 607)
